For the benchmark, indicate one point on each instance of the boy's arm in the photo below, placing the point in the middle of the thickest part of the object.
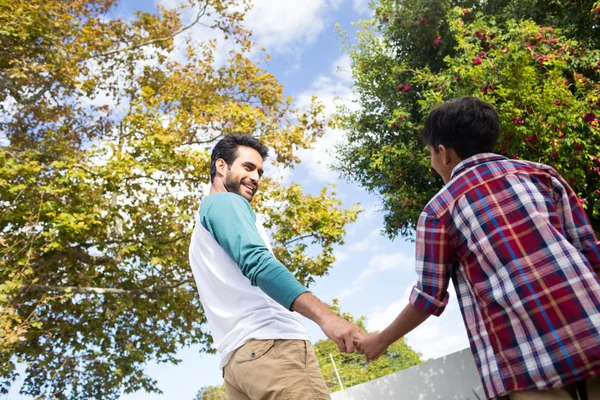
(578, 229)
(374, 345)
(434, 261)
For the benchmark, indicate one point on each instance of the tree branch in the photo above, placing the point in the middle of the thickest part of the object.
(153, 41)
(297, 239)
(79, 254)
(98, 290)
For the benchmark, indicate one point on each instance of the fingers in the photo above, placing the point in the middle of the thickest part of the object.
(358, 346)
(341, 345)
(349, 344)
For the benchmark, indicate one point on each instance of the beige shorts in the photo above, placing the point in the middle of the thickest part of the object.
(275, 370)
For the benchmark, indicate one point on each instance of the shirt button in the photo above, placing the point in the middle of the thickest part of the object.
(252, 355)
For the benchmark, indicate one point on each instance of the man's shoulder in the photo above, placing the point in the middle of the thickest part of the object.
(224, 203)
(226, 199)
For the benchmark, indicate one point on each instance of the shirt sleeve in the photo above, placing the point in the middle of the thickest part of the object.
(434, 261)
(231, 221)
(578, 230)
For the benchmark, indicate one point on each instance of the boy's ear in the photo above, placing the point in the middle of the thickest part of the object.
(449, 156)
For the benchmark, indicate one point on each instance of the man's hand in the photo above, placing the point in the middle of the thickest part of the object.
(342, 332)
(371, 346)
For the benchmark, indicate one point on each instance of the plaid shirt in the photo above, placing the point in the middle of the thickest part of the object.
(524, 260)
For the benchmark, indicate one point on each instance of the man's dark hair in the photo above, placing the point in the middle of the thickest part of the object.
(468, 125)
(227, 147)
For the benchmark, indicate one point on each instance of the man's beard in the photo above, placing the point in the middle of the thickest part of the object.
(232, 185)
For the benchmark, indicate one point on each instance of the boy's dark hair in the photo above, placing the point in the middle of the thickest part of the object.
(227, 147)
(468, 125)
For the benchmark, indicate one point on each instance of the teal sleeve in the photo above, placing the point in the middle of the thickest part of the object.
(232, 222)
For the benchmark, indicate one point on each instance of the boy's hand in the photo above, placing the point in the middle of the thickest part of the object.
(371, 346)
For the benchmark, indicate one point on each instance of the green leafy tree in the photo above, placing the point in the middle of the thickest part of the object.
(98, 197)
(537, 62)
(211, 393)
(352, 368)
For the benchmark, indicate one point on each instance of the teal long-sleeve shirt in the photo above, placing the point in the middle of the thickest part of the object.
(232, 222)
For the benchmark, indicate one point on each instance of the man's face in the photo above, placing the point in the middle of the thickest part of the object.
(243, 176)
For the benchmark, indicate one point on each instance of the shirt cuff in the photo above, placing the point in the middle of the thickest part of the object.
(427, 303)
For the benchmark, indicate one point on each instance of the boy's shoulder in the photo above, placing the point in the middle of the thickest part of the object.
(477, 173)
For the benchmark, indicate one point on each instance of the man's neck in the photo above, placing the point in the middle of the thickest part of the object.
(217, 187)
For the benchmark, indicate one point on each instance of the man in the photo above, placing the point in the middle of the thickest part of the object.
(248, 295)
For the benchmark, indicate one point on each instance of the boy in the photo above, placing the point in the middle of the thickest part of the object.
(523, 258)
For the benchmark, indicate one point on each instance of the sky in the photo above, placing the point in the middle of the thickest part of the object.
(372, 276)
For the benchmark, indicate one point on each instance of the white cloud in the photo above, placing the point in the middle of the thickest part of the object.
(378, 263)
(281, 26)
(362, 7)
(368, 243)
(333, 90)
(341, 256)
(286, 26)
(436, 337)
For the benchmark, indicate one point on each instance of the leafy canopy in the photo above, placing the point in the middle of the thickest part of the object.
(106, 127)
(537, 62)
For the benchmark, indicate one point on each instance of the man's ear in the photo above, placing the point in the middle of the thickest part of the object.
(221, 166)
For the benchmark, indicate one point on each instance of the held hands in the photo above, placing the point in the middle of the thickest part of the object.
(342, 332)
(371, 346)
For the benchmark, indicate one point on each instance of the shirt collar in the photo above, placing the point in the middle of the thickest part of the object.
(473, 161)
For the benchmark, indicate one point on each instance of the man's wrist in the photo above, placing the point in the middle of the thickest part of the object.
(312, 308)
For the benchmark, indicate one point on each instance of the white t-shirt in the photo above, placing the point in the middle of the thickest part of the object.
(235, 309)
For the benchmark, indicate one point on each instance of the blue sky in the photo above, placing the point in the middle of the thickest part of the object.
(372, 275)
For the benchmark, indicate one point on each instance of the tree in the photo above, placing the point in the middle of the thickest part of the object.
(352, 368)
(98, 196)
(211, 393)
(537, 62)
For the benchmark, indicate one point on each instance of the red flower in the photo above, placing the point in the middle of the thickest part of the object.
(557, 102)
(477, 60)
(589, 117)
(436, 41)
(404, 88)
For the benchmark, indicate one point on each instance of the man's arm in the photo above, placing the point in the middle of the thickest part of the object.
(342, 332)
(232, 223)
(230, 220)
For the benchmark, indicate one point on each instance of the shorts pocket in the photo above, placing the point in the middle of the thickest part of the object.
(253, 350)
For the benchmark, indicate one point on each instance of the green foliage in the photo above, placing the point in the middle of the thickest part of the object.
(98, 199)
(352, 368)
(537, 62)
(211, 393)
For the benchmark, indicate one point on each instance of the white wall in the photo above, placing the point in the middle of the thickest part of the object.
(453, 377)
